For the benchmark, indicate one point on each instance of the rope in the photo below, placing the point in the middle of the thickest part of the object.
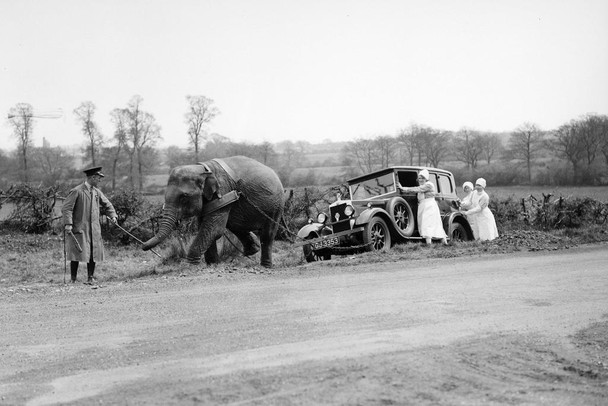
(344, 249)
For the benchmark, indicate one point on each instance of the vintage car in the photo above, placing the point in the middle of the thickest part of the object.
(378, 214)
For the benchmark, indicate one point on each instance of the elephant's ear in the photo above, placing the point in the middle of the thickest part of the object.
(210, 188)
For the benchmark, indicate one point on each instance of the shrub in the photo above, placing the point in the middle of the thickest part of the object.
(34, 207)
(548, 214)
(136, 214)
(302, 204)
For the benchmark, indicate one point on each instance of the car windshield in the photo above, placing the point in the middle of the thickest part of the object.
(372, 187)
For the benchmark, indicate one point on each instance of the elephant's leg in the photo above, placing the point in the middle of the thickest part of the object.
(211, 228)
(267, 235)
(249, 240)
(211, 255)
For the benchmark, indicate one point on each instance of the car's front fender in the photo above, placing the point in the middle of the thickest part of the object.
(317, 228)
(366, 215)
(457, 217)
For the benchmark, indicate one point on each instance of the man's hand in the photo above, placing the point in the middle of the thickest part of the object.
(114, 220)
(68, 228)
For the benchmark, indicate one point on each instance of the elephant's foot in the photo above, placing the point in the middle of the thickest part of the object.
(266, 263)
(211, 256)
(193, 259)
(250, 244)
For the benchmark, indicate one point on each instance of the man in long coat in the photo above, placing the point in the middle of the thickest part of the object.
(81, 211)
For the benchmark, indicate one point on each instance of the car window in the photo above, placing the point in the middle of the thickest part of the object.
(408, 178)
(445, 186)
(373, 187)
(433, 180)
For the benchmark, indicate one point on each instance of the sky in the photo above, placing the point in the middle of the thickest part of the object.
(309, 70)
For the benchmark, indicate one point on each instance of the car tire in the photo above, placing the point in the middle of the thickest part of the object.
(403, 216)
(311, 255)
(376, 235)
(458, 232)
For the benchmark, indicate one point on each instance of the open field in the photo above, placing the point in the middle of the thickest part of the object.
(599, 193)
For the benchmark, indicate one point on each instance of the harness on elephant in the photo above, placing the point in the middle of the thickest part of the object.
(222, 200)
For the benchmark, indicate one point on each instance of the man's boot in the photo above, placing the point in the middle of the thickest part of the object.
(90, 271)
(73, 270)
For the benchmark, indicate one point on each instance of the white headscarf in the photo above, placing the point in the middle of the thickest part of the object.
(481, 182)
(469, 184)
(424, 173)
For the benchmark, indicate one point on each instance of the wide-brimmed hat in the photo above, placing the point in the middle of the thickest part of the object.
(93, 171)
(481, 182)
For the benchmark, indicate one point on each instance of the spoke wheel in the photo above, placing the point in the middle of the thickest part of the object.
(376, 235)
(403, 216)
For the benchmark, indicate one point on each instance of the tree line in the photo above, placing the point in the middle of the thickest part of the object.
(574, 153)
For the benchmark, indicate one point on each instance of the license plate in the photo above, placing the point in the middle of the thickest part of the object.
(329, 242)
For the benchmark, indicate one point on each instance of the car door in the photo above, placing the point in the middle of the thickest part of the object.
(445, 191)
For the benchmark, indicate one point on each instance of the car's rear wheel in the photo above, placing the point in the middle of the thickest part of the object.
(311, 255)
(403, 216)
(458, 232)
(376, 235)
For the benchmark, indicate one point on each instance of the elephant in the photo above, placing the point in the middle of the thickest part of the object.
(236, 193)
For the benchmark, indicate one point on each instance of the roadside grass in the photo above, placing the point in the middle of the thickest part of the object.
(29, 259)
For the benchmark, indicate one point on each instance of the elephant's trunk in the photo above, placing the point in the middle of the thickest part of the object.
(167, 225)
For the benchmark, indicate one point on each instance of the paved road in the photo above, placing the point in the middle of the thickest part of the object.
(319, 334)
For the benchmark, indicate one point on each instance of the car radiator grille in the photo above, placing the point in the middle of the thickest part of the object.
(338, 218)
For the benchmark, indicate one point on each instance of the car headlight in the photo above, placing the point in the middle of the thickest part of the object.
(322, 218)
(349, 210)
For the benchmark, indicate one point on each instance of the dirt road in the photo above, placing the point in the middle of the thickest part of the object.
(518, 329)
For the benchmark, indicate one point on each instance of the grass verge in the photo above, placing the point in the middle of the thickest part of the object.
(38, 259)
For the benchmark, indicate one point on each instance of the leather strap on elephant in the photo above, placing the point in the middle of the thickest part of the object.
(225, 200)
(227, 168)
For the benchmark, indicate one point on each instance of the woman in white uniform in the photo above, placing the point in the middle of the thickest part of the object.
(429, 217)
(466, 203)
(483, 219)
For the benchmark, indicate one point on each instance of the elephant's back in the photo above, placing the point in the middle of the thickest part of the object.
(254, 173)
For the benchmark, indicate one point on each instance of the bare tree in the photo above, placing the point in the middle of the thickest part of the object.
(85, 114)
(591, 128)
(385, 149)
(601, 124)
(142, 132)
(120, 119)
(491, 146)
(266, 152)
(364, 152)
(525, 143)
(52, 164)
(468, 146)
(201, 111)
(21, 118)
(436, 145)
(409, 141)
(567, 144)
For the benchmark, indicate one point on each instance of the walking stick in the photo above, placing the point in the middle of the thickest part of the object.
(65, 258)
(135, 238)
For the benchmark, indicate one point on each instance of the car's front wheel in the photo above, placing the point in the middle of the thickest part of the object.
(458, 232)
(376, 235)
(311, 255)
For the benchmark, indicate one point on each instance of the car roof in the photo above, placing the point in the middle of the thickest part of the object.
(390, 169)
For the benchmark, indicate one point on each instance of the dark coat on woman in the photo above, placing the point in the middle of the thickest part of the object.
(82, 209)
